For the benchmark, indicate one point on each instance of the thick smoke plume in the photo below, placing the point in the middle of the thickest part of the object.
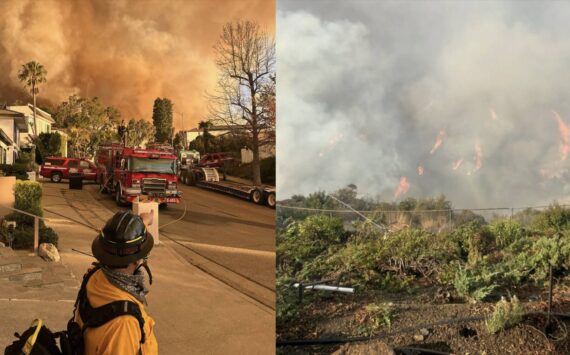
(465, 99)
(126, 52)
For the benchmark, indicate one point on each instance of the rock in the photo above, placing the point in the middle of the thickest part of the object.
(418, 337)
(2, 245)
(424, 332)
(48, 252)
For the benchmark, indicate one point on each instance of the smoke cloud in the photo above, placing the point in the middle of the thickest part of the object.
(126, 52)
(388, 78)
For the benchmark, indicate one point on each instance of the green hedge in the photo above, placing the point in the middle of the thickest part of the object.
(17, 170)
(28, 198)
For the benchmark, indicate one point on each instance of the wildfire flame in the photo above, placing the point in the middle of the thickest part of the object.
(420, 170)
(564, 136)
(403, 187)
(457, 163)
(493, 114)
(438, 141)
(478, 156)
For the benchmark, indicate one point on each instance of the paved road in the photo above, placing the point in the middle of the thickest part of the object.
(203, 297)
(232, 239)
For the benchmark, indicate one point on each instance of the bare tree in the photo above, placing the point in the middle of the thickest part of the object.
(246, 63)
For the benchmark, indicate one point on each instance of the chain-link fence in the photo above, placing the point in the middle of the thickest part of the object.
(435, 221)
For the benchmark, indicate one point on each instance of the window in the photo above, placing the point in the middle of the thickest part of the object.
(152, 165)
(72, 164)
(83, 164)
(57, 162)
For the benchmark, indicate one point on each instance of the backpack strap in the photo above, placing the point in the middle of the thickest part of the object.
(96, 317)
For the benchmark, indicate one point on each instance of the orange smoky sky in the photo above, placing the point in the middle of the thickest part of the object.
(127, 53)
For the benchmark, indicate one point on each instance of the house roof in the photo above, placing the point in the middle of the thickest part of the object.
(29, 111)
(18, 117)
(4, 138)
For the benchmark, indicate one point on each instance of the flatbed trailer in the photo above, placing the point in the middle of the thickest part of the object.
(208, 178)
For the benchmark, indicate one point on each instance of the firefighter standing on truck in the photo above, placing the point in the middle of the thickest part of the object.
(121, 249)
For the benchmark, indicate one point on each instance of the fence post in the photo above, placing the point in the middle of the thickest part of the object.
(512, 212)
(36, 234)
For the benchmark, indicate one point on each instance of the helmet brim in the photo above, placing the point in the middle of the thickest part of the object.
(109, 259)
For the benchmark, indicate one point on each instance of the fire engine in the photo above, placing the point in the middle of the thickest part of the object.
(131, 173)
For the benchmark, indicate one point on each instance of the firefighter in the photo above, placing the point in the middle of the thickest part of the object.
(121, 248)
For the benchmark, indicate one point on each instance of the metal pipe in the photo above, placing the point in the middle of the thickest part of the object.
(326, 288)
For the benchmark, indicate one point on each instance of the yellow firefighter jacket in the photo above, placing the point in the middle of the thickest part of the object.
(120, 335)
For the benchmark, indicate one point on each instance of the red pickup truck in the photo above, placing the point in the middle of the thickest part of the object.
(58, 168)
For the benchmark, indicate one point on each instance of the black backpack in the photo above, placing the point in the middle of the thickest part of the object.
(39, 340)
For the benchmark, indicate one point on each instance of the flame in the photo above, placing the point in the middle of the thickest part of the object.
(457, 163)
(420, 170)
(438, 141)
(478, 156)
(493, 114)
(564, 136)
(403, 187)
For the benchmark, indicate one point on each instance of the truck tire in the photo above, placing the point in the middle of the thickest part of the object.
(191, 178)
(257, 197)
(56, 176)
(271, 200)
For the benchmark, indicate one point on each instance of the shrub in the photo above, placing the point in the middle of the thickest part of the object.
(304, 241)
(553, 219)
(545, 252)
(474, 240)
(17, 170)
(506, 315)
(288, 306)
(28, 196)
(476, 284)
(507, 232)
(24, 237)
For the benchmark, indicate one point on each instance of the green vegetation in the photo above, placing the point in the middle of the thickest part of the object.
(506, 315)
(28, 195)
(50, 144)
(478, 260)
(139, 132)
(162, 120)
(373, 318)
(88, 123)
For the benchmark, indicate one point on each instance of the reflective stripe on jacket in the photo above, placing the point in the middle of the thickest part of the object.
(121, 335)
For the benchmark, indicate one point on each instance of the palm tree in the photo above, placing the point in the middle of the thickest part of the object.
(205, 126)
(33, 74)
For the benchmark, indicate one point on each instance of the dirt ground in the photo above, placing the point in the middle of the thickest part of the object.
(461, 328)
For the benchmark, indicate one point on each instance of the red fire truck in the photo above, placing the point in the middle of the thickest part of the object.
(149, 174)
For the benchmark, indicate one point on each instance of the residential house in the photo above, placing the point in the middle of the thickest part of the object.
(13, 126)
(44, 120)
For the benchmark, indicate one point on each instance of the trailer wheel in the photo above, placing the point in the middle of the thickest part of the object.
(271, 200)
(191, 179)
(257, 196)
